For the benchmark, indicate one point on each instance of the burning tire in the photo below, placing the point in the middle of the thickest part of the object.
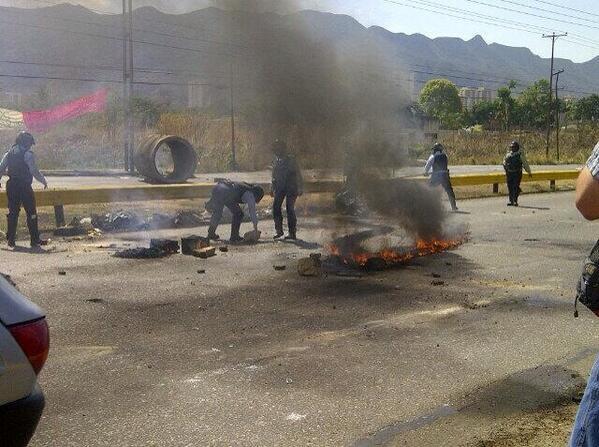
(166, 159)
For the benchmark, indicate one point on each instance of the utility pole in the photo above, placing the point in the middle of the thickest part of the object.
(552, 36)
(233, 151)
(557, 111)
(128, 122)
(130, 118)
(125, 88)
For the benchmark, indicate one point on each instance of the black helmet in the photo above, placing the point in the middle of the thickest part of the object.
(25, 139)
(515, 146)
(438, 147)
(258, 192)
(279, 146)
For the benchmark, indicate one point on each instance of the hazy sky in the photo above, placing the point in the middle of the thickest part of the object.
(582, 44)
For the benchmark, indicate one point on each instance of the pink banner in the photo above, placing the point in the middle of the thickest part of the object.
(42, 120)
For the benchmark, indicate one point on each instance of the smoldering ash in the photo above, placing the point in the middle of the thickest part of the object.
(333, 106)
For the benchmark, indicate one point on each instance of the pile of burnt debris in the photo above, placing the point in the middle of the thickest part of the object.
(129, 221)
(79, 228)
(196, 246)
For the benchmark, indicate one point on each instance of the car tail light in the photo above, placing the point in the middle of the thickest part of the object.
(34, 339)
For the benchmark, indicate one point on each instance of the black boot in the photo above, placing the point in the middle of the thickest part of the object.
(278, 229)
(235, 227)
(212, 233)
(34, 232)
(11, 232)
(292, 236)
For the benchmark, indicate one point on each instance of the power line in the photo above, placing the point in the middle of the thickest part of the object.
(579, 40)
(488, 20)
(531, 14)
(535, 8)
(566, 7)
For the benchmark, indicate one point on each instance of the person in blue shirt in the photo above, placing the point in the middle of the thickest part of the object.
(585, 432)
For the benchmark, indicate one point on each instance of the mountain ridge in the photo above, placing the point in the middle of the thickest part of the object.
(419, 56)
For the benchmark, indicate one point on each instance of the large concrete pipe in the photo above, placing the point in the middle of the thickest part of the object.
(183, 155)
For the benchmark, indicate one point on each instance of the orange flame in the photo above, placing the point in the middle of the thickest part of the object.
(394, 256)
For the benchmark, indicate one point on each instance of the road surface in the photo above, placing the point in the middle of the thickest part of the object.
(452, 350)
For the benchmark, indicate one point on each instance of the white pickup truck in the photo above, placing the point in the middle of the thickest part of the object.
(24, 346)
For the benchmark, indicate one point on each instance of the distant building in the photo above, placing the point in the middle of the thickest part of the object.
(471, 96)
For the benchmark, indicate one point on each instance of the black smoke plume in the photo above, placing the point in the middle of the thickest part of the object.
(339, 103)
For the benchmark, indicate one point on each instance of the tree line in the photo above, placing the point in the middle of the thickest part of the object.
(440, 100)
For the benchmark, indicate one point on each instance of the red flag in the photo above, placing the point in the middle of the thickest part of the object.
(41, 120)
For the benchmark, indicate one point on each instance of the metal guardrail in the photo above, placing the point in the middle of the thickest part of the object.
(58, 198)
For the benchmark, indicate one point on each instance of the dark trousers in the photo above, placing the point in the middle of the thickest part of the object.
(221, 197)
(277, 212)
(513, 185)
(442, 179)
(19, 194)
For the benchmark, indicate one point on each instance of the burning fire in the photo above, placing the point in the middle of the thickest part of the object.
(395, 256)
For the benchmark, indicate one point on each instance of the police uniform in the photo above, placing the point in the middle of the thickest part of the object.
(232, 195)
(513, 163)
(287, 185)
(19, 164)
(439, 163)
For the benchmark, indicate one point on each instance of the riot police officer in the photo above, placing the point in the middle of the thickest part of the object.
(287, 186)
(439, 163)
(19, 163)
(513, 163)
(231, 195)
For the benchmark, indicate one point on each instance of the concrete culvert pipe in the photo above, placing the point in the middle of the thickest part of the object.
(166, 159)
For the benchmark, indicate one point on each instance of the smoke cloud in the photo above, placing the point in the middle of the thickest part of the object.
(338, 103)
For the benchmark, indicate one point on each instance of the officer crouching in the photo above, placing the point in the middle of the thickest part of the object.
(19, 163)
(231, 195)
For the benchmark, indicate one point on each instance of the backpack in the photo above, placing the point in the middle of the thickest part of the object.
(513, 162)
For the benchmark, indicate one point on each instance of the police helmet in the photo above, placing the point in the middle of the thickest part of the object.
(438, 147)
(258, 192)
(25, 139)
(515, 146)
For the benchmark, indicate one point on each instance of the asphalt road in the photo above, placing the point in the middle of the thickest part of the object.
(152, 353)
(57, 179)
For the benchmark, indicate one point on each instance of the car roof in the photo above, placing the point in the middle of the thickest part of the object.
(14, 307)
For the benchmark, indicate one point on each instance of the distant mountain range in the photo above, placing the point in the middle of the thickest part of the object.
(76, 44)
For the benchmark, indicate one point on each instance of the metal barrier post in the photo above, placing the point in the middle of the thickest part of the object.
(59, 215)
